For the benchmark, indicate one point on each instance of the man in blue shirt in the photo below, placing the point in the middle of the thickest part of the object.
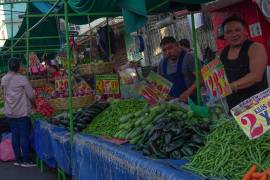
(178, 67)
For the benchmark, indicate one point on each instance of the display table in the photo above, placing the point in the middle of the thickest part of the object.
(52, 145)
(95, 158)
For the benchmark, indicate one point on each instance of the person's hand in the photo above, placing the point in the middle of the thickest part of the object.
(184, 97)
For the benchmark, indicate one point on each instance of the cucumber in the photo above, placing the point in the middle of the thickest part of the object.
(139, 121)
(139, 113)
(135, 132)
(136, 139)
(148, 127)
(124, 119)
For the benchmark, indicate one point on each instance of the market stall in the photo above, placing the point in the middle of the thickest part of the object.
(139, 138)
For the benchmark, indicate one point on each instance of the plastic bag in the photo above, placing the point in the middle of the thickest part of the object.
(6, 151)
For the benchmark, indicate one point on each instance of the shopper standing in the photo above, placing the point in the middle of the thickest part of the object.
(18, 98)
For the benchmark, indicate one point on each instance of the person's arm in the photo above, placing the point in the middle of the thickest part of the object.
(257, 65)
(29, 92)
(190, 90)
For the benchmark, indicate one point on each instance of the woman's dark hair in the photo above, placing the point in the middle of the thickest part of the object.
(14, 64)
(233, 18)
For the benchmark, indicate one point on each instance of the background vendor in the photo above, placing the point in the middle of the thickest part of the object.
(53, 69)
(178, 67)
(244, 62)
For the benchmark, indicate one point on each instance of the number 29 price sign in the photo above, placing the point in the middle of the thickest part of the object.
(253, 115)
(215, 79)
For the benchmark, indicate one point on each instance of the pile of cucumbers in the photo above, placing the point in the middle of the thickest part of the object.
(164, 131)
(107, 123)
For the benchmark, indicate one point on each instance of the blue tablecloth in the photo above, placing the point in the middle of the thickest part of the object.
(96, 159)
(52, 145)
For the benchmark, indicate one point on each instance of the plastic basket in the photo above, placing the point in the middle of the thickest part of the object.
(101, 68)
(38, 82)
(77, 102)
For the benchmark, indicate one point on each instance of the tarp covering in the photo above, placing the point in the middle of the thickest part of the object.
(95, 158)
(134, 11)
(52, 145)
(135, 14)
(43, 145)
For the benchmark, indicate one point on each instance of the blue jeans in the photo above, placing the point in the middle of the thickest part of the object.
(21, 131)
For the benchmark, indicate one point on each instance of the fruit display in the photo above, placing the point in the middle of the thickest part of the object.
(108, 122)
(43, 107)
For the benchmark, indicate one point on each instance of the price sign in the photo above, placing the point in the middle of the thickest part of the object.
(215, 79)
(159, 84)
(61, 84)
(107, 84)
(253, 115)
(149, 93)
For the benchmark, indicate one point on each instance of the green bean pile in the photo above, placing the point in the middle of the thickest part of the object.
(228, 153)
(107, 122)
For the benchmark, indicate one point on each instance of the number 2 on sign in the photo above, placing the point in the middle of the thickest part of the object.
(254, 130)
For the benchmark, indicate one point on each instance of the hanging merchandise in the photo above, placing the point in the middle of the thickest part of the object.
(74, 49)
(128, 74)
(106, 45)
(36, 68)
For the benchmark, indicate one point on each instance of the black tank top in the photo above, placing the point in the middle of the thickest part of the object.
(238, 68)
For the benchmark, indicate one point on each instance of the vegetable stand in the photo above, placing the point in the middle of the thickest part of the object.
(158, 134)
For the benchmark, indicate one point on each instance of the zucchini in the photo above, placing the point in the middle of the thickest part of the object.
(135, 132)
(125, 119)
(139, 121)
(136, 139)
(148, 127)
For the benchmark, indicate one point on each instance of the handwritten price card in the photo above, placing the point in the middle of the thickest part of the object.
(107, 84)
(159, 84)
(61, 84)
(253, 115)
(215, 79)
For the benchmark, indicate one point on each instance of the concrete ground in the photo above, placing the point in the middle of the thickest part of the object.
(10, 172)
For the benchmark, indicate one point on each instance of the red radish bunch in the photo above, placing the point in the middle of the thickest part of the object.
(43, 107)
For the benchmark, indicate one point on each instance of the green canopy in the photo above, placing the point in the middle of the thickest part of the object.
(134, 11)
